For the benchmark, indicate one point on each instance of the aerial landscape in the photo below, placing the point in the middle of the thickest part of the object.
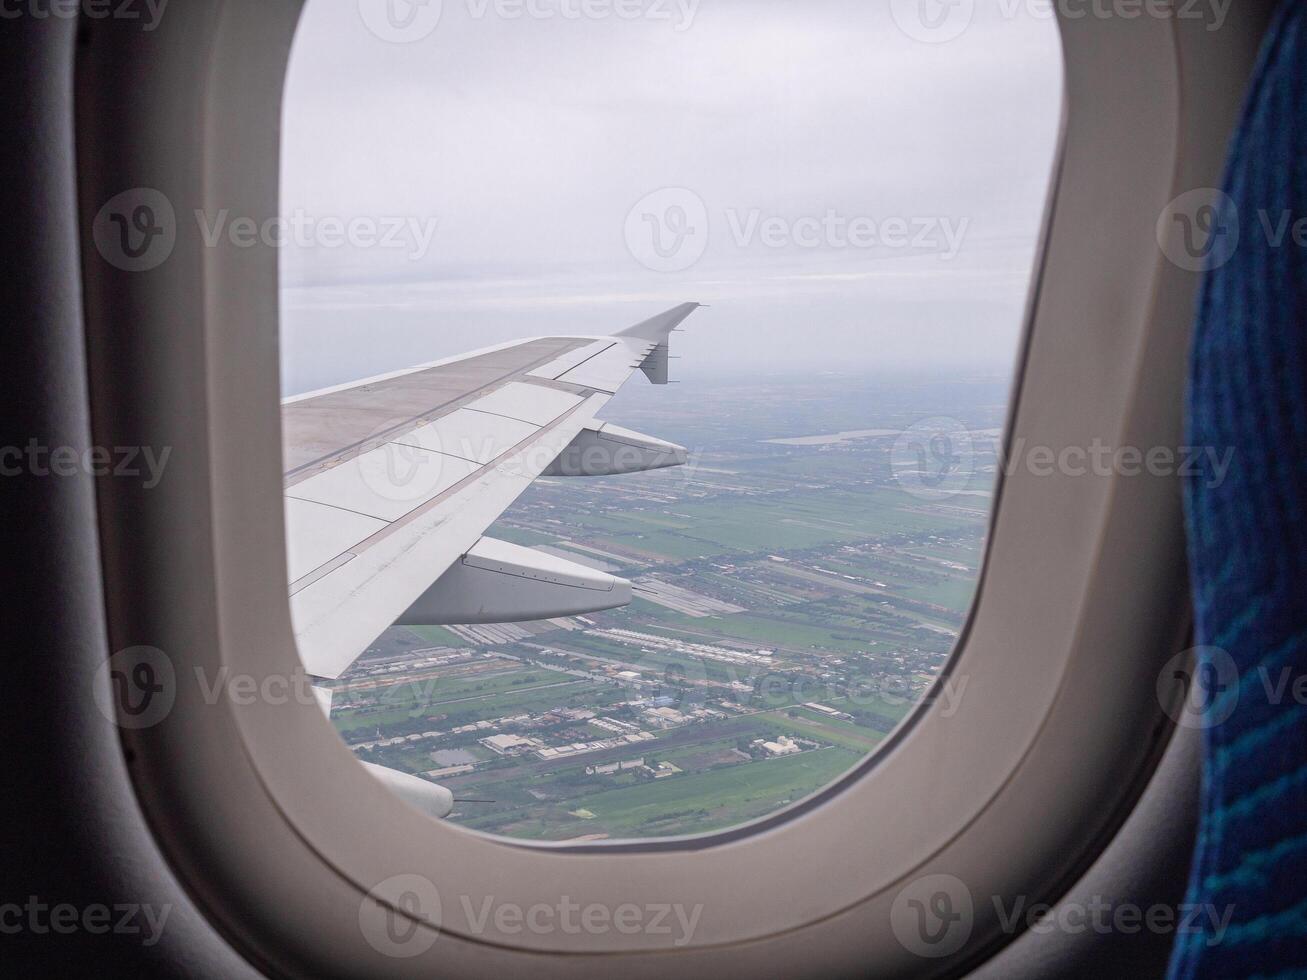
(797, 592)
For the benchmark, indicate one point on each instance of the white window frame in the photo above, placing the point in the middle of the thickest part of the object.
(280, 834)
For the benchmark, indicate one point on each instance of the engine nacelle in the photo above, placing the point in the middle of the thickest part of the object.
(430, 798)
(498, 582)
(612, 451)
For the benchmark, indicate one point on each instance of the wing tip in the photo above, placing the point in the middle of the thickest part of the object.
(658, 327)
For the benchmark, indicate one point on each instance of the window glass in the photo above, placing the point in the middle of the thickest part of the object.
(854, 190)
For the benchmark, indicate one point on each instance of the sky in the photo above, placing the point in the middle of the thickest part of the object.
(845, 195)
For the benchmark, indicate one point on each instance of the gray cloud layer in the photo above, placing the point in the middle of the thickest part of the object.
(527, 141)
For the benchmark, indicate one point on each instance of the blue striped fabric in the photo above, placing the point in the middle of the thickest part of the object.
(1248, 539)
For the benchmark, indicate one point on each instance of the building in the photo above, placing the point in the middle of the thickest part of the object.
(664, 717)
(826, 710)
(782, 746)
(614, 767)
(510, 744)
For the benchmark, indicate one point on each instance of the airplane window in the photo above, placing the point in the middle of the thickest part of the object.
(645, 366)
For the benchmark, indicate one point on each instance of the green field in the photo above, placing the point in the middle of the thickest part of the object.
(439, 636)
(842, 733)
(718, 798)
(683, 804)
(413, 707)
(795, 521)
(787, 630)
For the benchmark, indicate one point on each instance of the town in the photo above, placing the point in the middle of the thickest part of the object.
(793, 604)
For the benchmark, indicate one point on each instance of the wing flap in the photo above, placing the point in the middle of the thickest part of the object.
(609, 369)
(470, 434)
(384, 483)
(527, 402)
(316, 533)
(556, 368)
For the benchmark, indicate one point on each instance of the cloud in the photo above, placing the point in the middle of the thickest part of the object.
(530, 140)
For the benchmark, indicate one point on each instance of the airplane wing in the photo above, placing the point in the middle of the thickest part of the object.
(391, 482)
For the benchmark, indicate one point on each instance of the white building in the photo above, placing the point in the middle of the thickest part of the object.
(782, 746)
(510, 744)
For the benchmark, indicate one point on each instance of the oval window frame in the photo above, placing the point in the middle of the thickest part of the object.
(285, 840)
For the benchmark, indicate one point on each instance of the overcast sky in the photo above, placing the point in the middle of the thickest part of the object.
(810, 132)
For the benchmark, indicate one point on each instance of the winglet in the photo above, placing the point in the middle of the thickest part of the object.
(658, 327)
